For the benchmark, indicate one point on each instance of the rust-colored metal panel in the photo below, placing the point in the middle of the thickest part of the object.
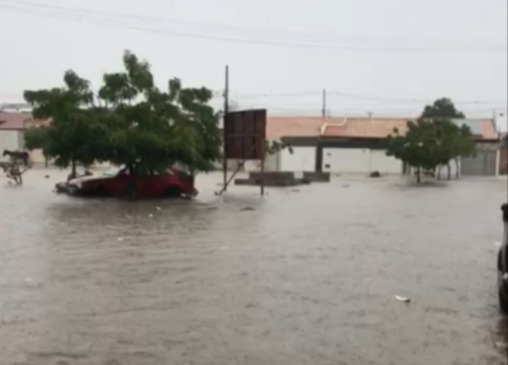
(245, 134)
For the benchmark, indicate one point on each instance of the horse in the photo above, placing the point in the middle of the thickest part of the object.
(22, 156)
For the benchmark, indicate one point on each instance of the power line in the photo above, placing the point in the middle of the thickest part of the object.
(347, 95)
(219, 26)
(88, 16)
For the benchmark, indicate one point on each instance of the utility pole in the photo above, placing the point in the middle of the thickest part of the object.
(226, 110)
(323, 111)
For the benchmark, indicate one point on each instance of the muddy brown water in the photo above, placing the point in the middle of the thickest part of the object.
(306, 277)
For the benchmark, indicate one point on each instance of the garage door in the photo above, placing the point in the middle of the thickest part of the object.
(483, 164)
(303, 159)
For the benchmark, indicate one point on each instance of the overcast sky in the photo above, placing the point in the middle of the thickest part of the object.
(371, 55)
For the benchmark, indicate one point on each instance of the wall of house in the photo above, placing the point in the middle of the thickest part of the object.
(302, 159)
(379, 161)
(483, 163)
(11, 140)
(503, 160)
(271, 164)
(359, 161)
(37, 157)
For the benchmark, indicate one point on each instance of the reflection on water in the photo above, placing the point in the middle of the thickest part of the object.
(306, 276)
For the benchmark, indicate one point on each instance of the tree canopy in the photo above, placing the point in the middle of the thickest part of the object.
(432, 141)
(129, 122)
(442, 108)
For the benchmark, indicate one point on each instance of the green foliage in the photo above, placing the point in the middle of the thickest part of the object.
(132, 122)
(442, 108)
(432, 142)
(36, 138)
(271, 148)
(69, 138)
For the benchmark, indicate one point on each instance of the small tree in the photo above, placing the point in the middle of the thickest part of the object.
(444, 108)
(69, 138)
(429, 144)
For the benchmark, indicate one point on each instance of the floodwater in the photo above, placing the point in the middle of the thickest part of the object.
(307, 276)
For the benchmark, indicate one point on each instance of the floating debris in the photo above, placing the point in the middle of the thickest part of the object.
(158, 208)
(402, 299)
(345, 186)
(497, 244)
(120, 239)
(247, 209)
(501, 345)
(150, 215)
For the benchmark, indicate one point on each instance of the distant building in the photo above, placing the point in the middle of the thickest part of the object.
(12, 132)
(357, 145)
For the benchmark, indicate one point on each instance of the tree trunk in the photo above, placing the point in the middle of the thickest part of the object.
(439, 173)
(418, 175)
(449, 171)
(73, 168)
(45, 160)
(132, 182)
(457, 173)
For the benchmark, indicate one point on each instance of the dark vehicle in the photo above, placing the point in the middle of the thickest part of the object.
(173, 182)
(502, 265)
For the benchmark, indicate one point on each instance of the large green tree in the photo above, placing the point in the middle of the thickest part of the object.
(131, 122)
(149, 127)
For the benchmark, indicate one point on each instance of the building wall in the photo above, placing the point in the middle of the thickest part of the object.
(379, 161)
(359, 161)
(303, 159)
(11, 140)
(503, 160)
(271, 164)
(484, 163)
(37, 157)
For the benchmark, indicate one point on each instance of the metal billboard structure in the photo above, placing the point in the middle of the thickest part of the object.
(244, 139)
(245, 134)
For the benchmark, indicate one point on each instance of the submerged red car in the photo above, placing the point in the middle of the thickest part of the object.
(173, 182)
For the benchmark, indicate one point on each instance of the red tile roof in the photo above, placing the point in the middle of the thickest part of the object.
(375, 128)
(19, 121)
(489, 129)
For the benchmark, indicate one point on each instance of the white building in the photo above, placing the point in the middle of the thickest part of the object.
(357, 146)
(12, 133)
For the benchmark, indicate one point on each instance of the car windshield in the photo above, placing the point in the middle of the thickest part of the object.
(181, 168)
(112, 171)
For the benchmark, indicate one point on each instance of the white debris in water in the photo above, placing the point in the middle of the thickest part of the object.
(28, 280)
(402, 299)
(120, 239)
(223, 248)
(497, 244)
(158, 208)
(501, 345)
(150, 215)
